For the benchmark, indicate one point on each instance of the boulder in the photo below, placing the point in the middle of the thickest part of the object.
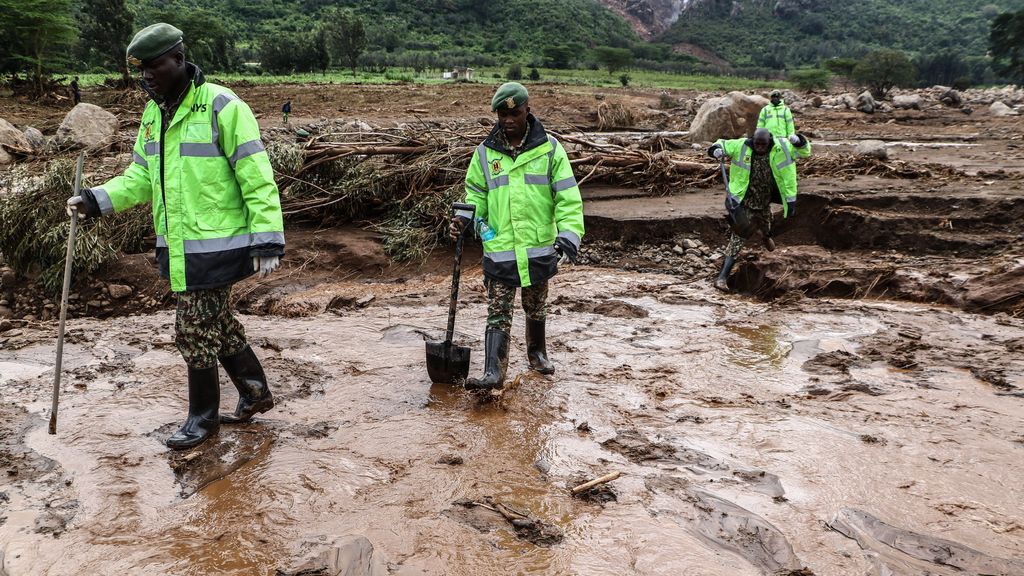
(118, 291)
(872, 149)
(11, 136)
(345, 556)
(907, 101)
(999, 109)
(816, 102)
(731, 116)
(87, 125)
(865, 103)
(952, 98)
(35, 138)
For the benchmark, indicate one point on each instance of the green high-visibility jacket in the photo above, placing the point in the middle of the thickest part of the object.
(528, 201)
(777, 119)
(208, 177)
(782, 156)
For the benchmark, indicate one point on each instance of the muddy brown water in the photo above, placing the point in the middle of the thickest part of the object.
(746, 447)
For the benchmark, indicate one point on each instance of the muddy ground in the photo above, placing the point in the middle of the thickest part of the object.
(855, 408)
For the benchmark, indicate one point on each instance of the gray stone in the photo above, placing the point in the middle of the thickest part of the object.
(865, 103)
(871, 149)
(907, 102)
(999, 109)
(731, 116)
(346, 556)
(11, 136)
(118, 291)
(677, 249)
(89, 126)
(35, 138)
(5, 312)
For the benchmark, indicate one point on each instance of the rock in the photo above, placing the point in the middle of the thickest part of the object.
(89, 126)
(677, 249)
(871, 149)
(11, 136)
(967, 110)
(360, 126)
(999, 109)
(346, 556)
(8, 277)
(907, 101)
(690, 243)
(93, 303)
(865, 103)
(951, 98)
(118, 291)
(35, 139)
(5, 312)
(5, 325)
(731, 116)
(29, 317)
(364, 300)
(816, 102)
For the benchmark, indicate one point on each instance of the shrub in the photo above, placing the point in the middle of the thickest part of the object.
(515, 72)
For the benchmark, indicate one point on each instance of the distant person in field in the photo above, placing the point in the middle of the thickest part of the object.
(286, 110)
(762, 170)
(777, 118)
(529, 215)
(75, 92)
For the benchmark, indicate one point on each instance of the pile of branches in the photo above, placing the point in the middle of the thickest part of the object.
(843, 165)
(34, 227)
(403, 182)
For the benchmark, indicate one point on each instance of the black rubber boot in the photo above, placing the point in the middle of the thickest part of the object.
(536, 350)
(495, 362)
(722, 283)
(203, 405)
(254, 395)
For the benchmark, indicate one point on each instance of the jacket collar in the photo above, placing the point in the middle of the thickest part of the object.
(537, 137)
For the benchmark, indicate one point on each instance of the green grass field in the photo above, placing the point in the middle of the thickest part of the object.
(597, 78)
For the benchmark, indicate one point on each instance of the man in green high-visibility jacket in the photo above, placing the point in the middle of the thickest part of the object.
(525, 193)
(762, 169)
(199, 161)
(778, 118)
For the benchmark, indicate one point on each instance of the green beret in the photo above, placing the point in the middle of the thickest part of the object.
(509, 95)
(152, 42)
(776, 93)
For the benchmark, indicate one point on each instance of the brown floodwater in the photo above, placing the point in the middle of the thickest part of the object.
(752, 439)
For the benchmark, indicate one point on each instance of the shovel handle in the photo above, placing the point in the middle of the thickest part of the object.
(456, 272)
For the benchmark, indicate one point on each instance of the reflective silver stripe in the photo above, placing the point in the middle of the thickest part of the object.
(551, 156)
(200, 150)
(151, 148)
(571, 237)
(481, 152)
(564, 184)
(222, 100)
(467, 214)
(247, 149)
(785, 150)
(216, 244)
(161, 241)
(505, 256)
(501, 180)
(475, 188)
(103, 200)
(538, 252)
(739, 160)
(140, 160)
(541, 179)
(267, 238)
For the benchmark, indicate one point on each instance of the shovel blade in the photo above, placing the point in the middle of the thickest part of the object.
(446, 363)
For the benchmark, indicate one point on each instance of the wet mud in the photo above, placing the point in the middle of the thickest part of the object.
(742, 429)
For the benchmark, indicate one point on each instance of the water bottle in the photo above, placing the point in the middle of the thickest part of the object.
(485, 232)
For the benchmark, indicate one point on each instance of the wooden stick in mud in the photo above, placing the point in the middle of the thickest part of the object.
(595, 482)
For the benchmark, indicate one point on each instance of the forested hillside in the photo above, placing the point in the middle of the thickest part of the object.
(786, 33)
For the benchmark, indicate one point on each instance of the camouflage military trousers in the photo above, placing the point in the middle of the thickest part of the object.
(762, 220)
(500, 298)
(205, 329)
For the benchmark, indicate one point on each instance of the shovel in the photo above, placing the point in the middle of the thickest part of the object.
(448, 364)
(68, 259)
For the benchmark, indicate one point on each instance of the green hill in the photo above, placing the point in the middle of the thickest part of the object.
(787, 33)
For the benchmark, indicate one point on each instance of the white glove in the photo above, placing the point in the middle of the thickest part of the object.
(75, 207)
(718, 153)
(265, 264)
(794, 139)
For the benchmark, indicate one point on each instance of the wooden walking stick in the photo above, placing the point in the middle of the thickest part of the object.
(68, 259)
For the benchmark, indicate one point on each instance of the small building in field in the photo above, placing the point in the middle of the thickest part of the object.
(458, 73)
